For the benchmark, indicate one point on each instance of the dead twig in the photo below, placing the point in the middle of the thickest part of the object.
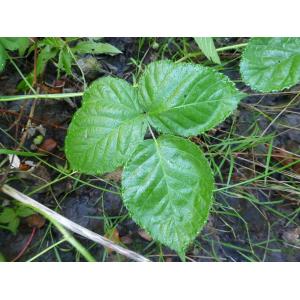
(70, 225)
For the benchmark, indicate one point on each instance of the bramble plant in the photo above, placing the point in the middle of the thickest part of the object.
(167, 183)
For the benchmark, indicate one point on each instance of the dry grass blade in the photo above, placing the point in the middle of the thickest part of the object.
(71, 225)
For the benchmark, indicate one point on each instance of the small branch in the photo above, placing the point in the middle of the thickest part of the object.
(70, 225)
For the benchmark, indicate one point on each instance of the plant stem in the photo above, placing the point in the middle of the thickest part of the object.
(232, 47)
(74, 58)
(222, 49)
(21, 74)
(40, 96)
(69, 237)
(47, 249)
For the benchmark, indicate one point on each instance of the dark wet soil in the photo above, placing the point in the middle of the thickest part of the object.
(237, 230)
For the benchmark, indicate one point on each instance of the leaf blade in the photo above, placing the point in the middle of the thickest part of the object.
(106, 129)
(168, 189)
(95, 48)
(3, 57)
(186, 99)
(271, 64)
(65, 61)
(7, 215)
(207, 46)
(15, 43)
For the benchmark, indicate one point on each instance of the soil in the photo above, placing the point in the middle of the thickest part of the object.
(237, 229)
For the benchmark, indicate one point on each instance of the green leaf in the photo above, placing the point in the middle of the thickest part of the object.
(23, 211)
(22, 85)
(15, 43)
(7, 215)
(271, 64)
(168, 190)
(3, 57)
(95, 48)
(46, 54)
(54, 42)
(20, 153)
(65, 61)
(2, 258)
(106, 129)
(13, 225)
(186, 99)
(207, 46)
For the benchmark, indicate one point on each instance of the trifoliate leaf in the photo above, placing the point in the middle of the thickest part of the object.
(186, 99)
(168, 190)
(271, 64)
(107, 128)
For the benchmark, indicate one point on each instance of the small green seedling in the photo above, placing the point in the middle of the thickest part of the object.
(10, 217)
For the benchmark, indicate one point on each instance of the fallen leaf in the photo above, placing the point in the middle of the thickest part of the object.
(14, 161)
(142, 233)
(35, 220)
(114, 176)
(113, 235)
(34, 129)
(48, 145)
(286, 158)
(292, 236)
(24, 167)
(55, 88)
(126, 240)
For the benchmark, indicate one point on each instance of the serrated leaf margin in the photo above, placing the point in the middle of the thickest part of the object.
(220, 76)
(254, 87)
(181, 252)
